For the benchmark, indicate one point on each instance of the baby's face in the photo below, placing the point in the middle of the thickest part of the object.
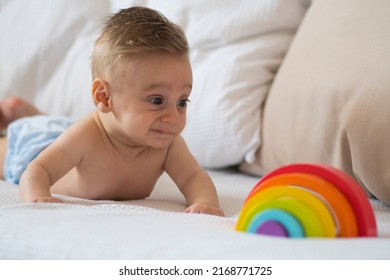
(149, 97)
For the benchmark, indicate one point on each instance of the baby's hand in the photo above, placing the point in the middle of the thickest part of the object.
(204, 209)
(47, 199)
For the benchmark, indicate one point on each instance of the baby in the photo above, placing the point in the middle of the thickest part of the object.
(142, 81)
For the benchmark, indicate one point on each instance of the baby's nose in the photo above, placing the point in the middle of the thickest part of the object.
(170, 115)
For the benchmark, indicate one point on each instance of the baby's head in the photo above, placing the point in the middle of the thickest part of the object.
(133, 30)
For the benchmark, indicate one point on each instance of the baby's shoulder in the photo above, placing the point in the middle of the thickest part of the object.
(178, 149)
(85, 125)
(84, 130)
(178, 144)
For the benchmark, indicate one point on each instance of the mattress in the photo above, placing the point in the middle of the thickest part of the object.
(157, 228)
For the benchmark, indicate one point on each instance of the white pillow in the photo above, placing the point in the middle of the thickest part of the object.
(236, 48)
(45, 52)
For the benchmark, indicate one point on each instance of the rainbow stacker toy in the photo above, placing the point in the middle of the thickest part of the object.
(308, 200)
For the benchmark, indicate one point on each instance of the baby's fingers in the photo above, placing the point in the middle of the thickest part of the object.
(204, 209)
(47, 200)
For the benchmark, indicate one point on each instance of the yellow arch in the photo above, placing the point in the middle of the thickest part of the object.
(308, 209)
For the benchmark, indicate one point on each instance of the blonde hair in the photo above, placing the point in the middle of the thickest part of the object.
(136, 29)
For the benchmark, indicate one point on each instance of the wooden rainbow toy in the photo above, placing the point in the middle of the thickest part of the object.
(308, 200)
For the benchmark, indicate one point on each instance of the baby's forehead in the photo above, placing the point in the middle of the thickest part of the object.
(140, 58)
(153, 70)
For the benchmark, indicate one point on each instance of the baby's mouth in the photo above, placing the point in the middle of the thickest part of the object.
(163, 131)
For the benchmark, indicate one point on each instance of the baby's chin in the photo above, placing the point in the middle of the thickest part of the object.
(161, 140)
(161, 143)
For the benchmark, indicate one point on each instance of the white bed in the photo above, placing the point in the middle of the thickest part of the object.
(157, 228)
(44, 57)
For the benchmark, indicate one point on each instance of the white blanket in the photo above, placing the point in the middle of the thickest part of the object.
(157, 228)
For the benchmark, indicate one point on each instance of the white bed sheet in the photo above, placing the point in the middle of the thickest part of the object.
(157, 228)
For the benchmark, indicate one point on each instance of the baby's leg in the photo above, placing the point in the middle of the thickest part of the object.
(13, 108)
(3, 149)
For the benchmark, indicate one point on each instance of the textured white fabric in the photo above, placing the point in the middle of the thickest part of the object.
(45, 52)
(236, 49)
(156, 228)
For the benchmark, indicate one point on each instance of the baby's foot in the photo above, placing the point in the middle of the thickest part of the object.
(13, 108)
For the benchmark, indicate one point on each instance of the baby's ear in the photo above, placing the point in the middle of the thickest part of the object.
(101, 95)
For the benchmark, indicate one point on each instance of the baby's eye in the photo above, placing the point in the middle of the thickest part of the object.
(183, 103)
(156, 100)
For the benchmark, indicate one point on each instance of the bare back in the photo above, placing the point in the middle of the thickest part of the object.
(103, 171)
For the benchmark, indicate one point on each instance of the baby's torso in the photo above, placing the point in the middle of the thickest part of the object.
(106, 174)
(110, 179)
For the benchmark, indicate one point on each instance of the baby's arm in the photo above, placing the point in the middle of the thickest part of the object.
(50, 165)
(35, 182)
(192, 180)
